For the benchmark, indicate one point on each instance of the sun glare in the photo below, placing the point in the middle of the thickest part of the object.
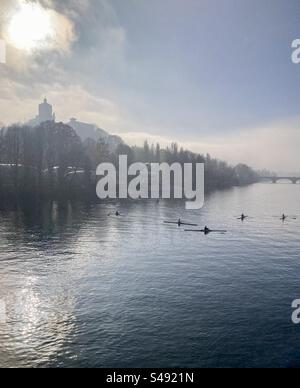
(30, 27)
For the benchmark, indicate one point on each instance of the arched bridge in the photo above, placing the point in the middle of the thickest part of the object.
(276, 179)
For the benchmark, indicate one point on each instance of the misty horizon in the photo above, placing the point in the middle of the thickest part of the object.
(131, 139)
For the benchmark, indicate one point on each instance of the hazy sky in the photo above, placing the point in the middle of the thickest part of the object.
(214, 75)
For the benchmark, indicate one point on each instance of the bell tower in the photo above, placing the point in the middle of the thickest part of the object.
(46, 112)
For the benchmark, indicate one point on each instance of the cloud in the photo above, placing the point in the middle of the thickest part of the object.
(71, 101)
(274, 146)
(143, 75)
(72, 71)
(71, 76)
(60, 38)
(74, 101)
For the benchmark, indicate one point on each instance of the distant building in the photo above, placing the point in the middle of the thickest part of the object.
(87, 131)
(84, 130)
(45, 114)
(90, 131)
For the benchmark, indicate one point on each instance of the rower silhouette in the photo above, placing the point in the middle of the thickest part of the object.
(206, 230)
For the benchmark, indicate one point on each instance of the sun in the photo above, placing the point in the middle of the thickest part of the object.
(30, 27)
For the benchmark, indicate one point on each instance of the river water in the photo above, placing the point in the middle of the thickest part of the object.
(82, 289)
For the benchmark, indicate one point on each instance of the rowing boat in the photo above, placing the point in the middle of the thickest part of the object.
(205, 231)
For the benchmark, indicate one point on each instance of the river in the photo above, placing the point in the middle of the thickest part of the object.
(82, 289)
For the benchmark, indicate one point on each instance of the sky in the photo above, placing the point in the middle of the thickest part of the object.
(214, 75)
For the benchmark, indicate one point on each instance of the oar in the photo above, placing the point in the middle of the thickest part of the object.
(114, 214)
(204, 231)
(287, 217)
(180, 223)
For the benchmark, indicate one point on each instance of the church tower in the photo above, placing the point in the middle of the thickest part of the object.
(45, 112)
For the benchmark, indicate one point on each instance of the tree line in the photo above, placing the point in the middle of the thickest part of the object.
(51, 161)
